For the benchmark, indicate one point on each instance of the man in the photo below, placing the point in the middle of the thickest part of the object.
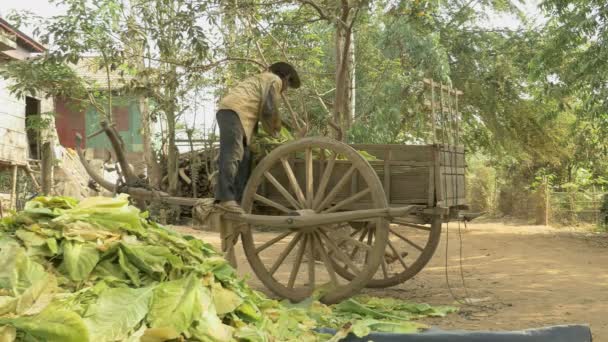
(254, 99)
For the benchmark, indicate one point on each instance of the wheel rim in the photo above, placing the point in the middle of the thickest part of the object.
(306, 257)
(409, 248)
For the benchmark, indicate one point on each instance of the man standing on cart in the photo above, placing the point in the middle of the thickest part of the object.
(253, 100)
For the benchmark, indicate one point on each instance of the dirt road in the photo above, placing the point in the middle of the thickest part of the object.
(517, 277)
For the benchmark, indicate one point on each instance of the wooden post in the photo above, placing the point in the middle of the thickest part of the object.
(46, 168)
(596, 208)
(433, 119)
(13, 204)
(546, 221)
(229, 237)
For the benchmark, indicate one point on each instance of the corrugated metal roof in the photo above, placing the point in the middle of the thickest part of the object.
(22, 38)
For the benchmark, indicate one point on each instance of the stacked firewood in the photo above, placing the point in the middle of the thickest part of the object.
(195, 174)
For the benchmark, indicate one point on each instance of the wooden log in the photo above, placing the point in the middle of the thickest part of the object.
(89, 169)
(30, 173)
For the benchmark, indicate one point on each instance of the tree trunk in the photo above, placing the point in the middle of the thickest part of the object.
(46, 168)
(229, 23)
(343, 104)
(350, 110)
(171, 153)
(152, 168)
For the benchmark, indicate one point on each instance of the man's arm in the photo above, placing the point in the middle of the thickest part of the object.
(271, 119)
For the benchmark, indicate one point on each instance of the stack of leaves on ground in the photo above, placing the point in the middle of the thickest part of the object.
(99, 270)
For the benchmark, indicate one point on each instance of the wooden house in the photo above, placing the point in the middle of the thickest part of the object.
(71, 118)
(19, 146)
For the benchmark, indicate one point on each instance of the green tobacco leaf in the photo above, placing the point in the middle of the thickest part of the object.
(403, 327)
(79, 259)
(249, 311)
(24, 279)
(352, 306)
(84, 231)
(107, 213)
(151, 259)
(131, 271)
(55, 202)
(251, 334)
(51, 325)
(208, 326)
(224, 300)
(8, 333)
(176, 304)
(51, 243)
(117, 312)
(30, 238)
(159, 335)
(403, 308)
(110, 268)
(36, 244)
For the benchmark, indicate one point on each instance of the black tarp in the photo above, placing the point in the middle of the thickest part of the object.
(560, 333)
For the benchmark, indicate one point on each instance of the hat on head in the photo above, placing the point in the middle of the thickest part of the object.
(286, 70)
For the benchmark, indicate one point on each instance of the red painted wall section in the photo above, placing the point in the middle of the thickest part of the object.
(70, 120)
(121, 118)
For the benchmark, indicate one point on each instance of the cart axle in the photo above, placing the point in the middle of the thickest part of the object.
(294, 222)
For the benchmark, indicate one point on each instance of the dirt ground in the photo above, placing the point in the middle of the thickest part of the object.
(516, 277)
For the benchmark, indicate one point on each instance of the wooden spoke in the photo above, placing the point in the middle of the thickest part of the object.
(271, 203)
(392, 247)
(311, 261)
(282, 190)
(384, 272)
(357, 231)
(285, 253)
(352, 241)
(411, 225)
(352, 199)
(309, 178)
(411, 243)
(297, 262)
(272, 241)
(293, 182)
(361, 238)
(370, 236)
(339, 253)
(324, 180)
(326, 261)
(332, 194)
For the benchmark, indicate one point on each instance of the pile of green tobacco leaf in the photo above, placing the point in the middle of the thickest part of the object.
(99, 270)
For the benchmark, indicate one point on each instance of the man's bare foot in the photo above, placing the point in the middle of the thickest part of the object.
(231, 207)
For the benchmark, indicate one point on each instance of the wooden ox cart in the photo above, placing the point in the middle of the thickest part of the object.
(322, 218)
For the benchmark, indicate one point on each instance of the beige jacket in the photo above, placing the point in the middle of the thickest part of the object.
(256, 99)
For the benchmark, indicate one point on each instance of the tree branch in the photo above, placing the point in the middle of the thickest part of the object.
(317, 8)
(294, 116)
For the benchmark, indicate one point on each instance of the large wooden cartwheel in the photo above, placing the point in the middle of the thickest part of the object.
(410, 247)
(296, 262)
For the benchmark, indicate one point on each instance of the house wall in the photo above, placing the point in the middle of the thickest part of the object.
(72, 119)
(13, 141)
(127, 118)
(14, 147)
(69, 119)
